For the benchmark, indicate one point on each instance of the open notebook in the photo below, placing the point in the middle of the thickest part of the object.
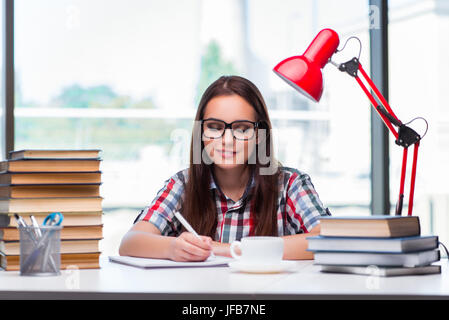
(163, 263)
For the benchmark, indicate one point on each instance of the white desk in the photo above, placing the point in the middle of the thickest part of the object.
(115, 281)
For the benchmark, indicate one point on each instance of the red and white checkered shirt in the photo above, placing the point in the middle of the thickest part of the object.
(299, 207)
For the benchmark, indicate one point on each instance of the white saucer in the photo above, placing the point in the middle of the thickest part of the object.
(249, 267)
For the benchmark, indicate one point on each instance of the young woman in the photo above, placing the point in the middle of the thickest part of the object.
(233, 188)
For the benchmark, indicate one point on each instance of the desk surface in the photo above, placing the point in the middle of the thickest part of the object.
(116, 281)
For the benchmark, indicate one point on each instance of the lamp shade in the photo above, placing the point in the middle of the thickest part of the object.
(303, 73)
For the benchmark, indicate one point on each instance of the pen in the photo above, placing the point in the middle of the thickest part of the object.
(189, 227)
(20, 221)
(36, 226)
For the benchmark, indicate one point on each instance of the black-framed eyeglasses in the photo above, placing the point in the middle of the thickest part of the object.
(241, 129)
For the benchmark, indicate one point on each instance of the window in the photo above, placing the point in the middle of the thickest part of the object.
(419, 88)
(321, 139)
(127, 79)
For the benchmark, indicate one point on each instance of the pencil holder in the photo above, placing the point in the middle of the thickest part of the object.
(40, 253)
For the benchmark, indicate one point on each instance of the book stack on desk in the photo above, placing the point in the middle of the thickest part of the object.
(383, 246)
(38, 182)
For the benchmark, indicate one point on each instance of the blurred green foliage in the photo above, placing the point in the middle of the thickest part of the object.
(213, 65)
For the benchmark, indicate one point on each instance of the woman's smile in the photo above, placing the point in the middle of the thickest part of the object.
(226, 154)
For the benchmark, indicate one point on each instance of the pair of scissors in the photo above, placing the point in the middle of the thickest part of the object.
(53, 219)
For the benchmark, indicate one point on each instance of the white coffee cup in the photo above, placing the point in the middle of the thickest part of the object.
(259, 249)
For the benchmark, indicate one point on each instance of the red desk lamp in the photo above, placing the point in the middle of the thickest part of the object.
(303, 73)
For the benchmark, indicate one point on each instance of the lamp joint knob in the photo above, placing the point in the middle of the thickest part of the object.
(407, 136)
(350, 67)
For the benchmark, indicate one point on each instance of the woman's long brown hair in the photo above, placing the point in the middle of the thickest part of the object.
(199, 206)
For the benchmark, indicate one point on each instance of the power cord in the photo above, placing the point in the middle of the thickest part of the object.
(445, 249)
(360, 46)
(419, 118)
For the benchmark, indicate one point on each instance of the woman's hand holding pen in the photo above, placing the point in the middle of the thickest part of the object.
(188, 247)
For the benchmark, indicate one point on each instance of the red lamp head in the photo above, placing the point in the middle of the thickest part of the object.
(303, 73)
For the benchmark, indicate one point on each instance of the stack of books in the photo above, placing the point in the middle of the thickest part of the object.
(375, 245)
(38, 182)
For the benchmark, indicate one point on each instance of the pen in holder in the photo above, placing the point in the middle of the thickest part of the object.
(40, 255)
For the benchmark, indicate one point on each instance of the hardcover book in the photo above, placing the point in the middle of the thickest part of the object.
(382, 271)
(84, 218)
(39, 178)
(372, 226)
(68, 260)
(410, 259)
(405, 244)
(33, 205)
(57, 153)
(67, 233)
(50, 190)
(51, 165)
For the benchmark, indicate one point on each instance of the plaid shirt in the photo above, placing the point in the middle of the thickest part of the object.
(299, 207)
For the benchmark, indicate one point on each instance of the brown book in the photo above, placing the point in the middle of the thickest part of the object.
(50, 177)
(67, 233)
(33, 205)
(51, 165)
(68, 261)
(50, 191)
(41, 153)
(372, 226)
(85, 218)
(67, 246)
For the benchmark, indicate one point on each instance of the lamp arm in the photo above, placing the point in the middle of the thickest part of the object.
(377, 93)
(352, 67)
(413, 178)
(405, 136)
(384, 118)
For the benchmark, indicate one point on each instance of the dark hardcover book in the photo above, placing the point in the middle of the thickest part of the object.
(382, 271)
(410, 259)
